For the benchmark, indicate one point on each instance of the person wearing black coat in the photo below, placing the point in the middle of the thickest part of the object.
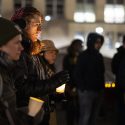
(10, 51)
(118, 69)
(89, 78)
(69, 63)
(27, 80)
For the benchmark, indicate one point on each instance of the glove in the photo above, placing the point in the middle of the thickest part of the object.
(61, 78)
(48, 86)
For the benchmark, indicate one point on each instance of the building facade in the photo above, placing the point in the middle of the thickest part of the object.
(69, 19)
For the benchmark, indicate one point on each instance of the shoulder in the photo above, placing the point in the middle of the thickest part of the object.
(83, 54)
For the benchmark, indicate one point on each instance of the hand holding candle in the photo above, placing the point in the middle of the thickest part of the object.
(34, 106)
(60, 89)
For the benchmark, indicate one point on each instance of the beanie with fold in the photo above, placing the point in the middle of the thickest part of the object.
(8, 30)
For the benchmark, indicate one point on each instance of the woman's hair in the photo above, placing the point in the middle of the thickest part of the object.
(26, 13)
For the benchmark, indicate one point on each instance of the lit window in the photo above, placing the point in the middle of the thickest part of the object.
(116, 14)
(84, 12)
(79, 17)
(89, 17)
(84, 17)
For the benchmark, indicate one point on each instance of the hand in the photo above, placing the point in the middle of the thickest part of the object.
(62, 77)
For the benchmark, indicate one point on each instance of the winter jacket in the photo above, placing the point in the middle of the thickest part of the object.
(8, 97)
(118, 67)
(28, 83)
(89, 72)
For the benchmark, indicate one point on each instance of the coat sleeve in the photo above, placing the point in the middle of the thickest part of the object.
(80, 71)
(121, 74)
(28, 84)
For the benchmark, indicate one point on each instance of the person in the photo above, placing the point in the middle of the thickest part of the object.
(89, 77)
(33, 21)
(48, 57)
(117, 66)
(10, 51)
(69, 63)
(29, 81)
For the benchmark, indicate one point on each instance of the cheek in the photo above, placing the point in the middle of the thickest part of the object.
(12, 54)
(53, 58)
(29, 30)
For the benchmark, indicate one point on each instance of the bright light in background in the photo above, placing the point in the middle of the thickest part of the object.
(79, 17)
(84, 17)
(99, 30)
(77, 36)
(89, 17)
(114, 14)
(47, 18)
(117, 44)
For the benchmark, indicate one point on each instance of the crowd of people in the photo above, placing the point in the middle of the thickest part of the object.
(27, 70)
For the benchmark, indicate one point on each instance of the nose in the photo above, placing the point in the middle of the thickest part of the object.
(21, 47)
(39, 28)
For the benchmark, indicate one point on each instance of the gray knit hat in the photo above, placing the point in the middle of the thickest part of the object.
(8, 30)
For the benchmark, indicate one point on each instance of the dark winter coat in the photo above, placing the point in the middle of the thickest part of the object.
(69, 64)
(28, 82)
(118, 67)
(9, 94)
(89, 72)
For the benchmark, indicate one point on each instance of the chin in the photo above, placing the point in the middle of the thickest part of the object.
(16, 58)
(51, 63)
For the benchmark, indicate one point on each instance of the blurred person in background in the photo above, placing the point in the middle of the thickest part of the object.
(47, 58)
(118, 69)
(29, 81)
(69, 63)
(89, 77)
(10, 51)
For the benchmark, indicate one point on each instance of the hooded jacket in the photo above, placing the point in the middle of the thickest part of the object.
(89, 72)
(118, 66)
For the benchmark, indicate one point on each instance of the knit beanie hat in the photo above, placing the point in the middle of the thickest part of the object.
(22, 15)
(48, 45)
(8, 30)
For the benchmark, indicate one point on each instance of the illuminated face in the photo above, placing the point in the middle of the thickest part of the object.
(13, 48)
(50, 56)
(33, 27)
(98, 44)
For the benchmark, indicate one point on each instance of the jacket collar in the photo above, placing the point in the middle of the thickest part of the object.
(6, 62)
